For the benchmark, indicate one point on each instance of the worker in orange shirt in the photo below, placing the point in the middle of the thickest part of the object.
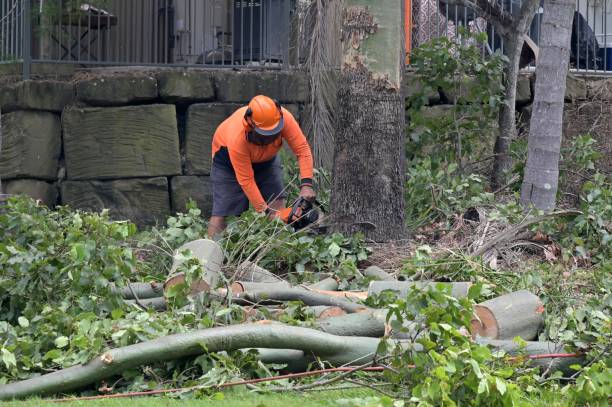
(246, 167)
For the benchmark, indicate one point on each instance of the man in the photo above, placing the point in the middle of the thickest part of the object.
(246, 168)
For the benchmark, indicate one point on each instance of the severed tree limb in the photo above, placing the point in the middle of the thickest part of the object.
(158, 304)
(328, 284)
(336, 350)
(509, 234)
(296, 294)
(140, 290)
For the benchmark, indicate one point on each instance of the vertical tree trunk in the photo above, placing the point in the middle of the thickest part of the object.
(515, 38)
(368, 171)
(502, 164)
(542, 170)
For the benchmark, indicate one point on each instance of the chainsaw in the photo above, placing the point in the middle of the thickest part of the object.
(305, 213)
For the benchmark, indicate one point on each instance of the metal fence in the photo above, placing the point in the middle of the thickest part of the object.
(147, 32)
(236, 33)
(591, 44)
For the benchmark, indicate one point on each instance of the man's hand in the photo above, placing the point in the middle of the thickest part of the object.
(308, 193)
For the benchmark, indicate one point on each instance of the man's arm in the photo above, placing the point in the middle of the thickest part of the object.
(297, 141)
(246, 178)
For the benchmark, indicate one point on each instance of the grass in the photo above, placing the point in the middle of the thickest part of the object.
(243, 398)
(233, 398)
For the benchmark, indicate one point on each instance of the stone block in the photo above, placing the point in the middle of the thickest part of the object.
(575, 89)
(241, 86)
(191, 187)
(523, 90)
(31, 145)
(117, 90)
(185, 86)
(8, 98)
(121, 142)
(143, 201)
(40, 190)
(202, 121)
(413, 86)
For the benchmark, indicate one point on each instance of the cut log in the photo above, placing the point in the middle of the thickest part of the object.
(158, 304)
(296, 294)
(248, 271)
(515, 314)
(458, 289)
(141, 290)
(242, 286)
(334, 349)
(321, 312)
(378, 274)
(532, 348)
(210, 255)
(371, 324)
(349, 295)
(328, 284)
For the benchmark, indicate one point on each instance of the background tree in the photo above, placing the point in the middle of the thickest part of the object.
(369, 155)
(542, 170)
(512, 24)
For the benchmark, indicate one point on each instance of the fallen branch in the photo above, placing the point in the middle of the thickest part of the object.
(376, 273)
(458, 289)
(336, 350)
(140, 290)
(327, 284)
(296, 294)
(509, 234)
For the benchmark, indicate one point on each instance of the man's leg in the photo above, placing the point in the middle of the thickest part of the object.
(216, 225)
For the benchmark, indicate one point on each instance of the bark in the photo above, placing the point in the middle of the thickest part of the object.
(141, 290)
(515, 314)
(349, 295)
(211, 257)
(245, 286)
(248, 271)
(458, 289)
(158, 304)
(296, 294)
(513, 27)
(371, 324)
(369, 163)
(328, 284)
(515, 39)
(336, 350)
(541, 176)
(376, 273)
(538, 348)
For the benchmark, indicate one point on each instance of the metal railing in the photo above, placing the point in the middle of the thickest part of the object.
(591, 46)
(236, 33)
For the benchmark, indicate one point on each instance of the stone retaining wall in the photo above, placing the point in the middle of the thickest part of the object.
(136, 142)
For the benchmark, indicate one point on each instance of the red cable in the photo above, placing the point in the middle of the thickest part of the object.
(281, 377)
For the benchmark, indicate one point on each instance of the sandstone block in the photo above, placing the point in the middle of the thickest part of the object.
(121, 142)
(40, 190)
(117, 90)
(143, 201)
(202, 121)
(185, 86)
(191, 187)
(241, 86)
(31, 145)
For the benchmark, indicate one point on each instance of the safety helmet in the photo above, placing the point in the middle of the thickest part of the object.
(265, 116)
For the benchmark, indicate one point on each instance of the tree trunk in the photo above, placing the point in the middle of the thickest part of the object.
(502, 165)
(368, 173)
(542, 170)
(515, 39)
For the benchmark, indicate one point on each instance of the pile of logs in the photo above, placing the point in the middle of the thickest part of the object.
(345, 331)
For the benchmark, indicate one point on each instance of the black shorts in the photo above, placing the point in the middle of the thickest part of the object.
(229, 198)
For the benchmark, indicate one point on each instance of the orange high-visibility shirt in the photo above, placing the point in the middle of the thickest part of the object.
(231, 139)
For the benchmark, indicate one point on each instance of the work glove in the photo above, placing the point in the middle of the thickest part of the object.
(308, 193)
(283, 214)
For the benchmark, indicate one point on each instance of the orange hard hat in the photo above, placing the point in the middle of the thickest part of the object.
(265, 116)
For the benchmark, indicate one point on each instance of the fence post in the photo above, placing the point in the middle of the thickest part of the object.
(27, 38)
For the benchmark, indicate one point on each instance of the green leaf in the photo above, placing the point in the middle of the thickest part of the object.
(23, 322)
(483, 386)
(8, 358)
(61, 341)
(334, 249)
(501, 385)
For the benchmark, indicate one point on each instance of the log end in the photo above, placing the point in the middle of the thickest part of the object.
(485, 324)
(331, 312)
(198, 286)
